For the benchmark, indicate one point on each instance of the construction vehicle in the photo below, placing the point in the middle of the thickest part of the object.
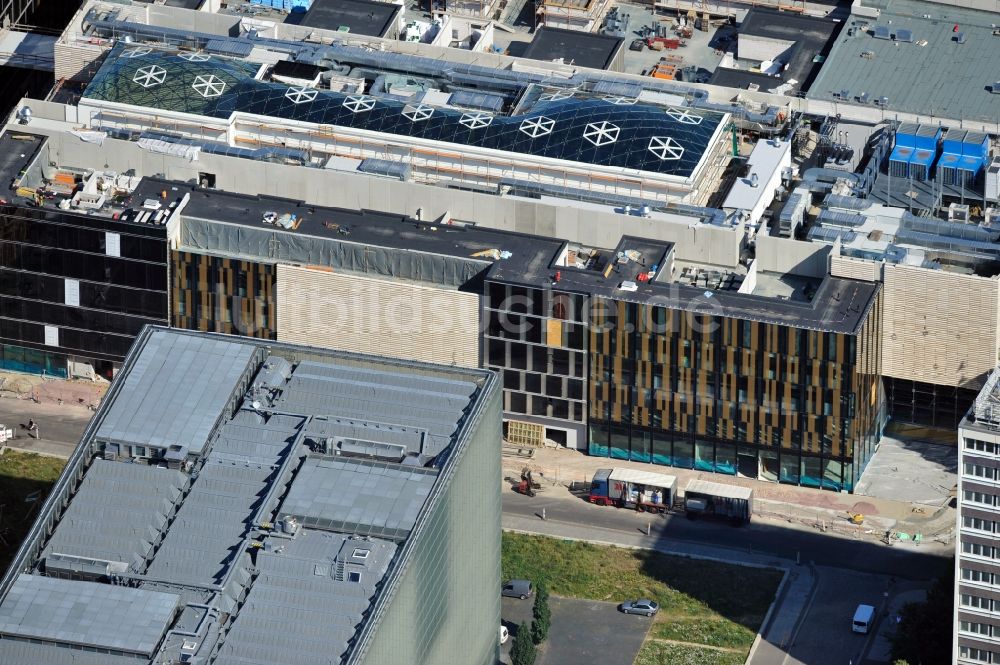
(528, 485)
(627, 488)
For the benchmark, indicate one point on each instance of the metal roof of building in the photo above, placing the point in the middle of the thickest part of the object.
(381, 397)
(942, 78)
(295, 595)
(49, 653)
(204, 540)
(588, 129)
(176, 391)
(305, 603)
(359, 496)
(767, 157)
(86, 614)
(124, 528)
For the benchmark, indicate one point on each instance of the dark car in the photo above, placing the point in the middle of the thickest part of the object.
(636, 45)
(517, 589)
(641, 606)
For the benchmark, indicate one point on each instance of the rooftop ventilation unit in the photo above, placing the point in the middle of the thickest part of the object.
(960, 38)
(995, 88)
(391, 452)
(881, 32)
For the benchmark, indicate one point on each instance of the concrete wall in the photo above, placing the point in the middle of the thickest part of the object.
(786, 255)
(382, 317)
(939, 327)
(845, 266)
(759, 49)
(558, 219)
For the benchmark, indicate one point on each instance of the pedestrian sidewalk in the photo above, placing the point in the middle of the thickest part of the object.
(791, 604)
(614, 537)
(881, 649)
(802, 506)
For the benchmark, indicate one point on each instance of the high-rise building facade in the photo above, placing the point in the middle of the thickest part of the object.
(73, 285)
(977, 546)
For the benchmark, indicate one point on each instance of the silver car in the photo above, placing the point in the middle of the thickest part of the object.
(517, 589)
(641, 606)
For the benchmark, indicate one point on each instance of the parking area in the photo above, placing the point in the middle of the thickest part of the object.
(583, 631)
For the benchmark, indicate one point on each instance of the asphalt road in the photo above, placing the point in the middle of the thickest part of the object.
(762, 537)
(59, 426)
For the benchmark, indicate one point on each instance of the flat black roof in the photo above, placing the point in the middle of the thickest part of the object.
(356, 226)
(812, 35)
(839, 305)
(741, 79)
(362, 17)
(585, 49)
(298, 70)
(185, 4)
(17, 152)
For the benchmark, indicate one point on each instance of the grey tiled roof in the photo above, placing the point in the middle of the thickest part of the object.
(303, 609)
(357, 496)
(86, 613)
(175, 391)
(121, 528)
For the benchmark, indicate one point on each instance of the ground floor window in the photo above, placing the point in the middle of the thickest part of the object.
(32, 361)
(677, 449)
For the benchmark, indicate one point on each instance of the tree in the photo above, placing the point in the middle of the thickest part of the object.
(542, 615)
(522, 652)
(924, 633)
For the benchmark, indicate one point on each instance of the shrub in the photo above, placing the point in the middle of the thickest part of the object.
(522, 652)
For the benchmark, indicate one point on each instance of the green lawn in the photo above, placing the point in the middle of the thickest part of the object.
(660, 653)
(703, 602)
(21, 475)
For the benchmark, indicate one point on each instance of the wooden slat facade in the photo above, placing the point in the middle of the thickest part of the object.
(729, 393)
(940, 327)
(220, 294)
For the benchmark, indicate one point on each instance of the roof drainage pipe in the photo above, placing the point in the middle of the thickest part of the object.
(820, 181)
(116, 29)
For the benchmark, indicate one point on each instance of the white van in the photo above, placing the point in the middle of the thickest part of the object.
(864, 616)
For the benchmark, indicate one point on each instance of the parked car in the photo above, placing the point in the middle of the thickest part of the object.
(517, 589)
(504, 634)
(864, 616)
(641, 606)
